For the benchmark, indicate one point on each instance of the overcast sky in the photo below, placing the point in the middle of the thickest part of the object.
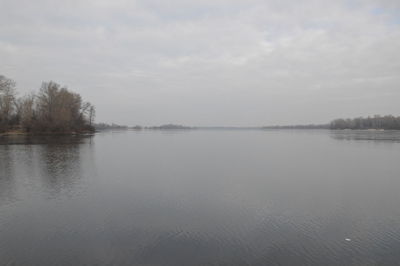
(209, 62)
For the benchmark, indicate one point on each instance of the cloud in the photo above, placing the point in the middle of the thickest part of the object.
(209, 62)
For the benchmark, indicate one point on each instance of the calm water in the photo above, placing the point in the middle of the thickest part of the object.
(201, 198)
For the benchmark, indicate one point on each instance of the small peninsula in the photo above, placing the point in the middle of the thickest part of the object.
(52, 110)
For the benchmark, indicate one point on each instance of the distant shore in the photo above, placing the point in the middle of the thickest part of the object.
(86, 133)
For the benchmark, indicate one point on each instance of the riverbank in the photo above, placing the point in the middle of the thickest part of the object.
(25, 133)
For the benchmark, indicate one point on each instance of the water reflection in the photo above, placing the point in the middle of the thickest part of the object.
(45, 139)
(45, 163)
(7, 186)
(366, 135)
(60, 165)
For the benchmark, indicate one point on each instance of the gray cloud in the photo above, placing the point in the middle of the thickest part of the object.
(209, 62)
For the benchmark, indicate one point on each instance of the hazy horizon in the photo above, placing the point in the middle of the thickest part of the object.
(209, 63)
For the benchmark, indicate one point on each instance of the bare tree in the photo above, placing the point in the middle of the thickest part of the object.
(27, 112)
(59, 109)
(54, 108)
(7, 100)
(92, 114)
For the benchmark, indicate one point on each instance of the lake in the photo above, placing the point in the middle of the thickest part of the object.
(201, 197)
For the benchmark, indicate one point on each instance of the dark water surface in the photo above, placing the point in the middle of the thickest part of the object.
(201, 198)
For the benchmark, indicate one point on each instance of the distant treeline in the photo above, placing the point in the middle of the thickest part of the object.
(169, 127)
(387, 122)
(54, 109)
(105, 126)
(311, 126)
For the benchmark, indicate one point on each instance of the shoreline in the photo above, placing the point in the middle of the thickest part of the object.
(86, 133)
(22, 133)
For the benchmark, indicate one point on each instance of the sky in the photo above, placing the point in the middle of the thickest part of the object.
(209, 62)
